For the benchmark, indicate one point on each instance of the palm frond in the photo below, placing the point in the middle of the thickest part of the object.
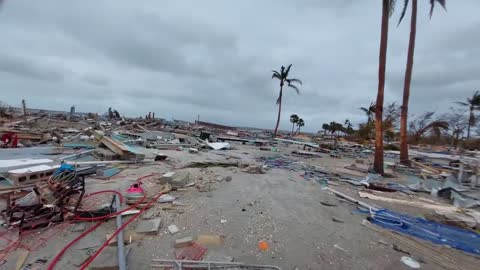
(288, 70)
(296, 81)
(404, 10)
(365, 110)
(439, 125)
(294, 88)
(432, 5)
(276, 75)
(462, 103)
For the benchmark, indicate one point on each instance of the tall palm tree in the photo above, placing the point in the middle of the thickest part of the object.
(473, 104)
(387, 10)
(300, 123)
(293, 119)
(408, 74)
(282, 76)
(370, 112)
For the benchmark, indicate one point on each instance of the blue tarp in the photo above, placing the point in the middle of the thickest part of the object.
(431, 231)
(64, 168)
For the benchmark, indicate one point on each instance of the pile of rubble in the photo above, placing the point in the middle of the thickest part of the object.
(70, 169)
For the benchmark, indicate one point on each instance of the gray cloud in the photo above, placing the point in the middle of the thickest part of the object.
(214, 57)
(95, 79)
(29, 68)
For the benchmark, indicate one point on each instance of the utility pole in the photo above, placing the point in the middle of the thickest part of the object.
(24, 108)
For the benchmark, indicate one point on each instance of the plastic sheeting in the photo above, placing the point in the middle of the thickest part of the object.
(437, 233)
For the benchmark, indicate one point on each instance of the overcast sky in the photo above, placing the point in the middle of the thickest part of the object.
(214, 58)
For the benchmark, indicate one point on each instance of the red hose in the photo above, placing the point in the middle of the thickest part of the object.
(60, 254)
(121, 200)
(112, 214)
(85, 265)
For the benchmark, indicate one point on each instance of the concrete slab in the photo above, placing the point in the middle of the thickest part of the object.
(149, 226)
(184, 242)
(108, 259)
(88, 241)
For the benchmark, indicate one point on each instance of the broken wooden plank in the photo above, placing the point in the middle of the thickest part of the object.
(439, 207)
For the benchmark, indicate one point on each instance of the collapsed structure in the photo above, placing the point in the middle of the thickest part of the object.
(65, 170)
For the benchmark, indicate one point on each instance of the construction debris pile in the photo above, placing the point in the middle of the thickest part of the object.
(151, 193)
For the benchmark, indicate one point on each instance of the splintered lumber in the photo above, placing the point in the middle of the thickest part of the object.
(426, 205)
(426, 167)
(117, 147)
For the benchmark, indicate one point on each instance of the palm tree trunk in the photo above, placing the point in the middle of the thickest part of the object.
(470, 122)
(293, 127)
(378, 159)
(406, 87)
(279, 110)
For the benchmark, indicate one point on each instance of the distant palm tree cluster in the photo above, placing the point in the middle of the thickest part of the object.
(335, 128)
(296, 121)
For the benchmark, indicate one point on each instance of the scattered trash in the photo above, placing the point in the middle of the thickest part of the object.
(339, 247)
(173, 229)
(210, 240)
(263, 245)
(219, 146)
(434, 232)
(329, 202)
(193, 252)
(166, 198)
(184, 242)
(337, 220)
(410, 262)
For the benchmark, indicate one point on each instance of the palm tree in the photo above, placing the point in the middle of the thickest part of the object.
(348, 127)
(370, 112)
(474, 105)
(408, 74)
(387, 9)
(282, 76)
(325, 127)
(300, 123)
(293, 119)
(435, 128)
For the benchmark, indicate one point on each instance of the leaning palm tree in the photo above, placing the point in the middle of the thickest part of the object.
(300, 123)
(369, 112)
(387, 10)
(293, 119)
(408, 74)
(435, 128)
(282, 76)
(473, 104)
